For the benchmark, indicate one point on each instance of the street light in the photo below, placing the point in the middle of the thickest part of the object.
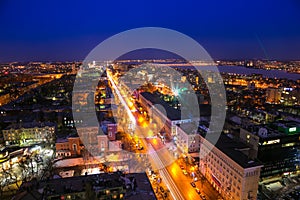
(176, 92)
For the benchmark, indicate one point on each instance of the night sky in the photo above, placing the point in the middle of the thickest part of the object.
(63, 30)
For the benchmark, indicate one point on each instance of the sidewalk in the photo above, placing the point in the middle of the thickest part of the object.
(159, 187)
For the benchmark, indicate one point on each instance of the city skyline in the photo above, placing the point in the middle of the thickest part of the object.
(170, 100)
(46, 126)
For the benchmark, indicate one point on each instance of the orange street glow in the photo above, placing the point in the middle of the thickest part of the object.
(140, 119)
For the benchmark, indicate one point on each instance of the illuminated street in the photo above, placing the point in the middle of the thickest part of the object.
(150, 100)
(163, 160)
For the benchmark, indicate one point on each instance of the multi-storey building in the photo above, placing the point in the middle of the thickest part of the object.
(290, 96)
(186, 138)
(167, 120)
(100, 186)
(97, 144)
(72, 146)
(112, 131)
(29, 132)
(273, 95)
(276, 145)
(230, 170)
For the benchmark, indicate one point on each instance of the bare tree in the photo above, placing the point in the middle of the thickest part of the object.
(9, 179)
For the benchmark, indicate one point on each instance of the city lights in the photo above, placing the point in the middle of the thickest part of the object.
(206, 107)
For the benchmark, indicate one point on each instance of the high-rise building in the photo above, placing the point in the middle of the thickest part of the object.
(273, 95)
(290, 96)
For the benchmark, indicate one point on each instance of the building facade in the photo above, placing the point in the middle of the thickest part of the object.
(186, 138)
(112, 131)
(29, 132)
(72, 146)
(273, 95)
(276, 146)
(230, 171)
(167, 120)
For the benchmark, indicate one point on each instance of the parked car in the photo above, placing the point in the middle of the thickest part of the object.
(193, 184)
(162, 189)
(202, 196)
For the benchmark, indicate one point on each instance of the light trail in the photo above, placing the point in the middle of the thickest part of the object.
(164, 174)
(174, 191)
(121, 98)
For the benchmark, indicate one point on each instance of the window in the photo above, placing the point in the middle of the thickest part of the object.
(74, 147)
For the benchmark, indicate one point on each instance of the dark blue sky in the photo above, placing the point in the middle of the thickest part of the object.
(68, 30)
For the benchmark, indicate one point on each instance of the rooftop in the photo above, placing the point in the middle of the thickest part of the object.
(190, 127)
(172, 113)
(30, 125)
(61, 140)
(97, 182)
(275, 130)
(233, 149)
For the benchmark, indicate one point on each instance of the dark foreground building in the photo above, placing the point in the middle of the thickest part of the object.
(276, 145)
(99, 186)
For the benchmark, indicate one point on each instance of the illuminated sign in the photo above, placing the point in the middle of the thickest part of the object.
(288, 89)
(293, 129)
(289, 144)
(216, 180)
(181, 121)
(271, 142)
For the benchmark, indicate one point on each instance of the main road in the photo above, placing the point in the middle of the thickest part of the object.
(183, 181)
(156, 161)
(161, 158)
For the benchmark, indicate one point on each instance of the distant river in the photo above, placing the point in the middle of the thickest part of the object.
(248, 71)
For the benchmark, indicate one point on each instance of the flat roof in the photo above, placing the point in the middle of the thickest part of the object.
(233, 149)
(172, 113)
(61, 140)
(77, 184)
(189, 128)
(272, 131)
(30, 125)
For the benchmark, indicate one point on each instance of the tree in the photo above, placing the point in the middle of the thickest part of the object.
(9, 179)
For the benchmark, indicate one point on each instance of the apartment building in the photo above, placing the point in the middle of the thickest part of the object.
(229, 169)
